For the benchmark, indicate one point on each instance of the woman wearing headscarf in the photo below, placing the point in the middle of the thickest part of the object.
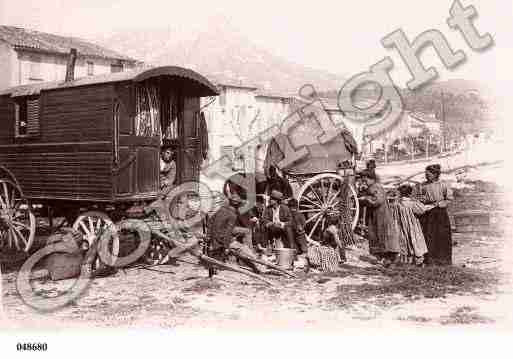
(435, 223)
(383, 231)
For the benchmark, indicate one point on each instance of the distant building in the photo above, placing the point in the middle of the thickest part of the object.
(28, 56)
(239, 113)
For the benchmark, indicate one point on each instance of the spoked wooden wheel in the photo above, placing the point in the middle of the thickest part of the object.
(327, 195)
(17, 222)
(92, 225)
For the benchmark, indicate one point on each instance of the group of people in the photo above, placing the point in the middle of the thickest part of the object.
(272, 223)
(255, 231)
(414, 227)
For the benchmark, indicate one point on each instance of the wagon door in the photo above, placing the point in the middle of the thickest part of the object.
(189, 153)
(137, 141)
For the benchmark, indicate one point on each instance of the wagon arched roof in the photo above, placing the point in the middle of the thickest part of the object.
(202, 86)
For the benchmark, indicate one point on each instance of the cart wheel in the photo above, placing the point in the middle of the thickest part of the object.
(92, 225)
(320, 197)
(17, 222)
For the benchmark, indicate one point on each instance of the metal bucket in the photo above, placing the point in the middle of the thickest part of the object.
(285, 257)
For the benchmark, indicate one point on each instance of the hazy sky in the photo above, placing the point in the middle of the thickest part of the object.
(339, 36)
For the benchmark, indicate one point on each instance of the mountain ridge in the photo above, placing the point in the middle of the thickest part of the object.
(222, 52)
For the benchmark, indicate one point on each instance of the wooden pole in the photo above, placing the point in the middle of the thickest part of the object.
(386, 150)
(442, 124)
(412, 143)
(427, 145)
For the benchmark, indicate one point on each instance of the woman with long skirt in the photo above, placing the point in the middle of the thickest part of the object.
(383, 232)
(435, 223)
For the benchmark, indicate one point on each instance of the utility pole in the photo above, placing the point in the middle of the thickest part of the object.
(442, 123)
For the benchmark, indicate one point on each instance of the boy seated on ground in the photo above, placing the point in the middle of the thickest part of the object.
(331, 237)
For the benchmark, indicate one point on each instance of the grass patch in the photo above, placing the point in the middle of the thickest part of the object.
(415, 318)
(413, 283)
(465, 315)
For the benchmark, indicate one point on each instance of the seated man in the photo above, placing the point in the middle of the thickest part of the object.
(259, 237)
(222, 231)
(167, 168)
(277, 220)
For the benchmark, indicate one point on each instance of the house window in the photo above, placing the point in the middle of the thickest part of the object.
(35, 69)
(116, 68)
(27, 117)
(90, 68)
(222, 98)
(227, 151)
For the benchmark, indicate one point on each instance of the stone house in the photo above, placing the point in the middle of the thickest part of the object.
(28, 56)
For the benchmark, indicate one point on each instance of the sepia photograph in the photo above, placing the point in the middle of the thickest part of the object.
(294, 178)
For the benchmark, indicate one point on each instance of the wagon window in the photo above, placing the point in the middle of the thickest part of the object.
(27, 117)
(171, 108)
(147, 117)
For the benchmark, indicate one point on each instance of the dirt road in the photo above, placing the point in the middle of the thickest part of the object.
(360, 294)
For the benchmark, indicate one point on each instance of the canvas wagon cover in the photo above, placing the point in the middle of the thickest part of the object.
(326, 157)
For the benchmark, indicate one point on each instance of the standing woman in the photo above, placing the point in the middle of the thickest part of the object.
(435, 222)
(383, 230)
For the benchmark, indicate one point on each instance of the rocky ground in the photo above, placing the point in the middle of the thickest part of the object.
(475, 291)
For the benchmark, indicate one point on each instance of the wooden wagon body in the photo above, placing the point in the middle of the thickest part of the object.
(94, 143)
(79, 141)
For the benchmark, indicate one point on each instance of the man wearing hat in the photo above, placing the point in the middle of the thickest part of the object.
(277, 220)
(275, 182)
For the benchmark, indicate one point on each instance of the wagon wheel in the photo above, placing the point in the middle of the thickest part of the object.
(92, 225)
(320, 196)
(17, 222)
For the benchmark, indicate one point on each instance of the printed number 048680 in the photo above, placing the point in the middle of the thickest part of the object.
(32, 347)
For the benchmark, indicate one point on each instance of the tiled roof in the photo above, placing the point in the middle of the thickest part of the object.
(270, 94)
(221, 79)
(26, 39)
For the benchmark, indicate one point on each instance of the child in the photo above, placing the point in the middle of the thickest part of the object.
(331, 237)
(409, 224)
(298, 228)
(383, 231)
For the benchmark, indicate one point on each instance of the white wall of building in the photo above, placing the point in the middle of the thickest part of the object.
(22, 67)
(8, 62)
(238, 115)
(36, 67)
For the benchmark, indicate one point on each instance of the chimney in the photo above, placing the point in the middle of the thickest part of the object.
(70, 67)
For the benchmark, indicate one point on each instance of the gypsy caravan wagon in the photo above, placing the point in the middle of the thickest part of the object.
(323, 180)
(88, 150)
